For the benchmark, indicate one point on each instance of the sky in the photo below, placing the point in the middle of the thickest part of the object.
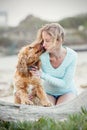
(51, 10)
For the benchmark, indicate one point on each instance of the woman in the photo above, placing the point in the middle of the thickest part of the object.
(58, 64)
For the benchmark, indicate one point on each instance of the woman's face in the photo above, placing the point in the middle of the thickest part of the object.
(47, 41)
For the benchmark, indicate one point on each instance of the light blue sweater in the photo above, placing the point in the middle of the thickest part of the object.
(60, 80)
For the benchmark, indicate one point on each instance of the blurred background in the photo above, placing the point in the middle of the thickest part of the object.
(19, 22)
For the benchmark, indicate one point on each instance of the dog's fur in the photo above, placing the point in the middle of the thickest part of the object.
(25, 82)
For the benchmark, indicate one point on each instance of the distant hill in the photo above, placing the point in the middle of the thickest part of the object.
(31, 24)
(74, 22)
(69, 22)
(32, 21)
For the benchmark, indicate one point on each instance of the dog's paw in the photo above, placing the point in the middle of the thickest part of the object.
(27, 101)
(48, 104)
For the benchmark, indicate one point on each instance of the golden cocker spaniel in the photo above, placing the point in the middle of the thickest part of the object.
(25, 83)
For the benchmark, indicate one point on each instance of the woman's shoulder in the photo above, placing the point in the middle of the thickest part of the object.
(71, 56)
(71, 52)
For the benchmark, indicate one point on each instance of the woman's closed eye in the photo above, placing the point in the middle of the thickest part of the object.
(46, 40)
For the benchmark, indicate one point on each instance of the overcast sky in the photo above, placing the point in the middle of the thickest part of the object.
(45, 9)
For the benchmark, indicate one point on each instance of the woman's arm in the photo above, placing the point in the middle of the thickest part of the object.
(65, 81)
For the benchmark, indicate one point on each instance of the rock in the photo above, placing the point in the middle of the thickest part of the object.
(12, 112)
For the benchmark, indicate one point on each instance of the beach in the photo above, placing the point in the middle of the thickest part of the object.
(8, 65)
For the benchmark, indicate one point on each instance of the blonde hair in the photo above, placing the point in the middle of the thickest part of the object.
(53, 29)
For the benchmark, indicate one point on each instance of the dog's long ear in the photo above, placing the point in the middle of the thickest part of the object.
(22, 67)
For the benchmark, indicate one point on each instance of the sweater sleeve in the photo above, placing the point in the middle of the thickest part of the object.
(68, 76)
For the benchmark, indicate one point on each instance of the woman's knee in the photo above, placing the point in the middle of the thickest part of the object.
(51, 99)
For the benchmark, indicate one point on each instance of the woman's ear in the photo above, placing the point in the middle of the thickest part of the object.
(59, 40)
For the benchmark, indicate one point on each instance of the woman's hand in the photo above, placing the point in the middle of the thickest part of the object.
(35, 71)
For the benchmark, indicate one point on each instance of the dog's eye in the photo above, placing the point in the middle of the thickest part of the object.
(30, 47)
